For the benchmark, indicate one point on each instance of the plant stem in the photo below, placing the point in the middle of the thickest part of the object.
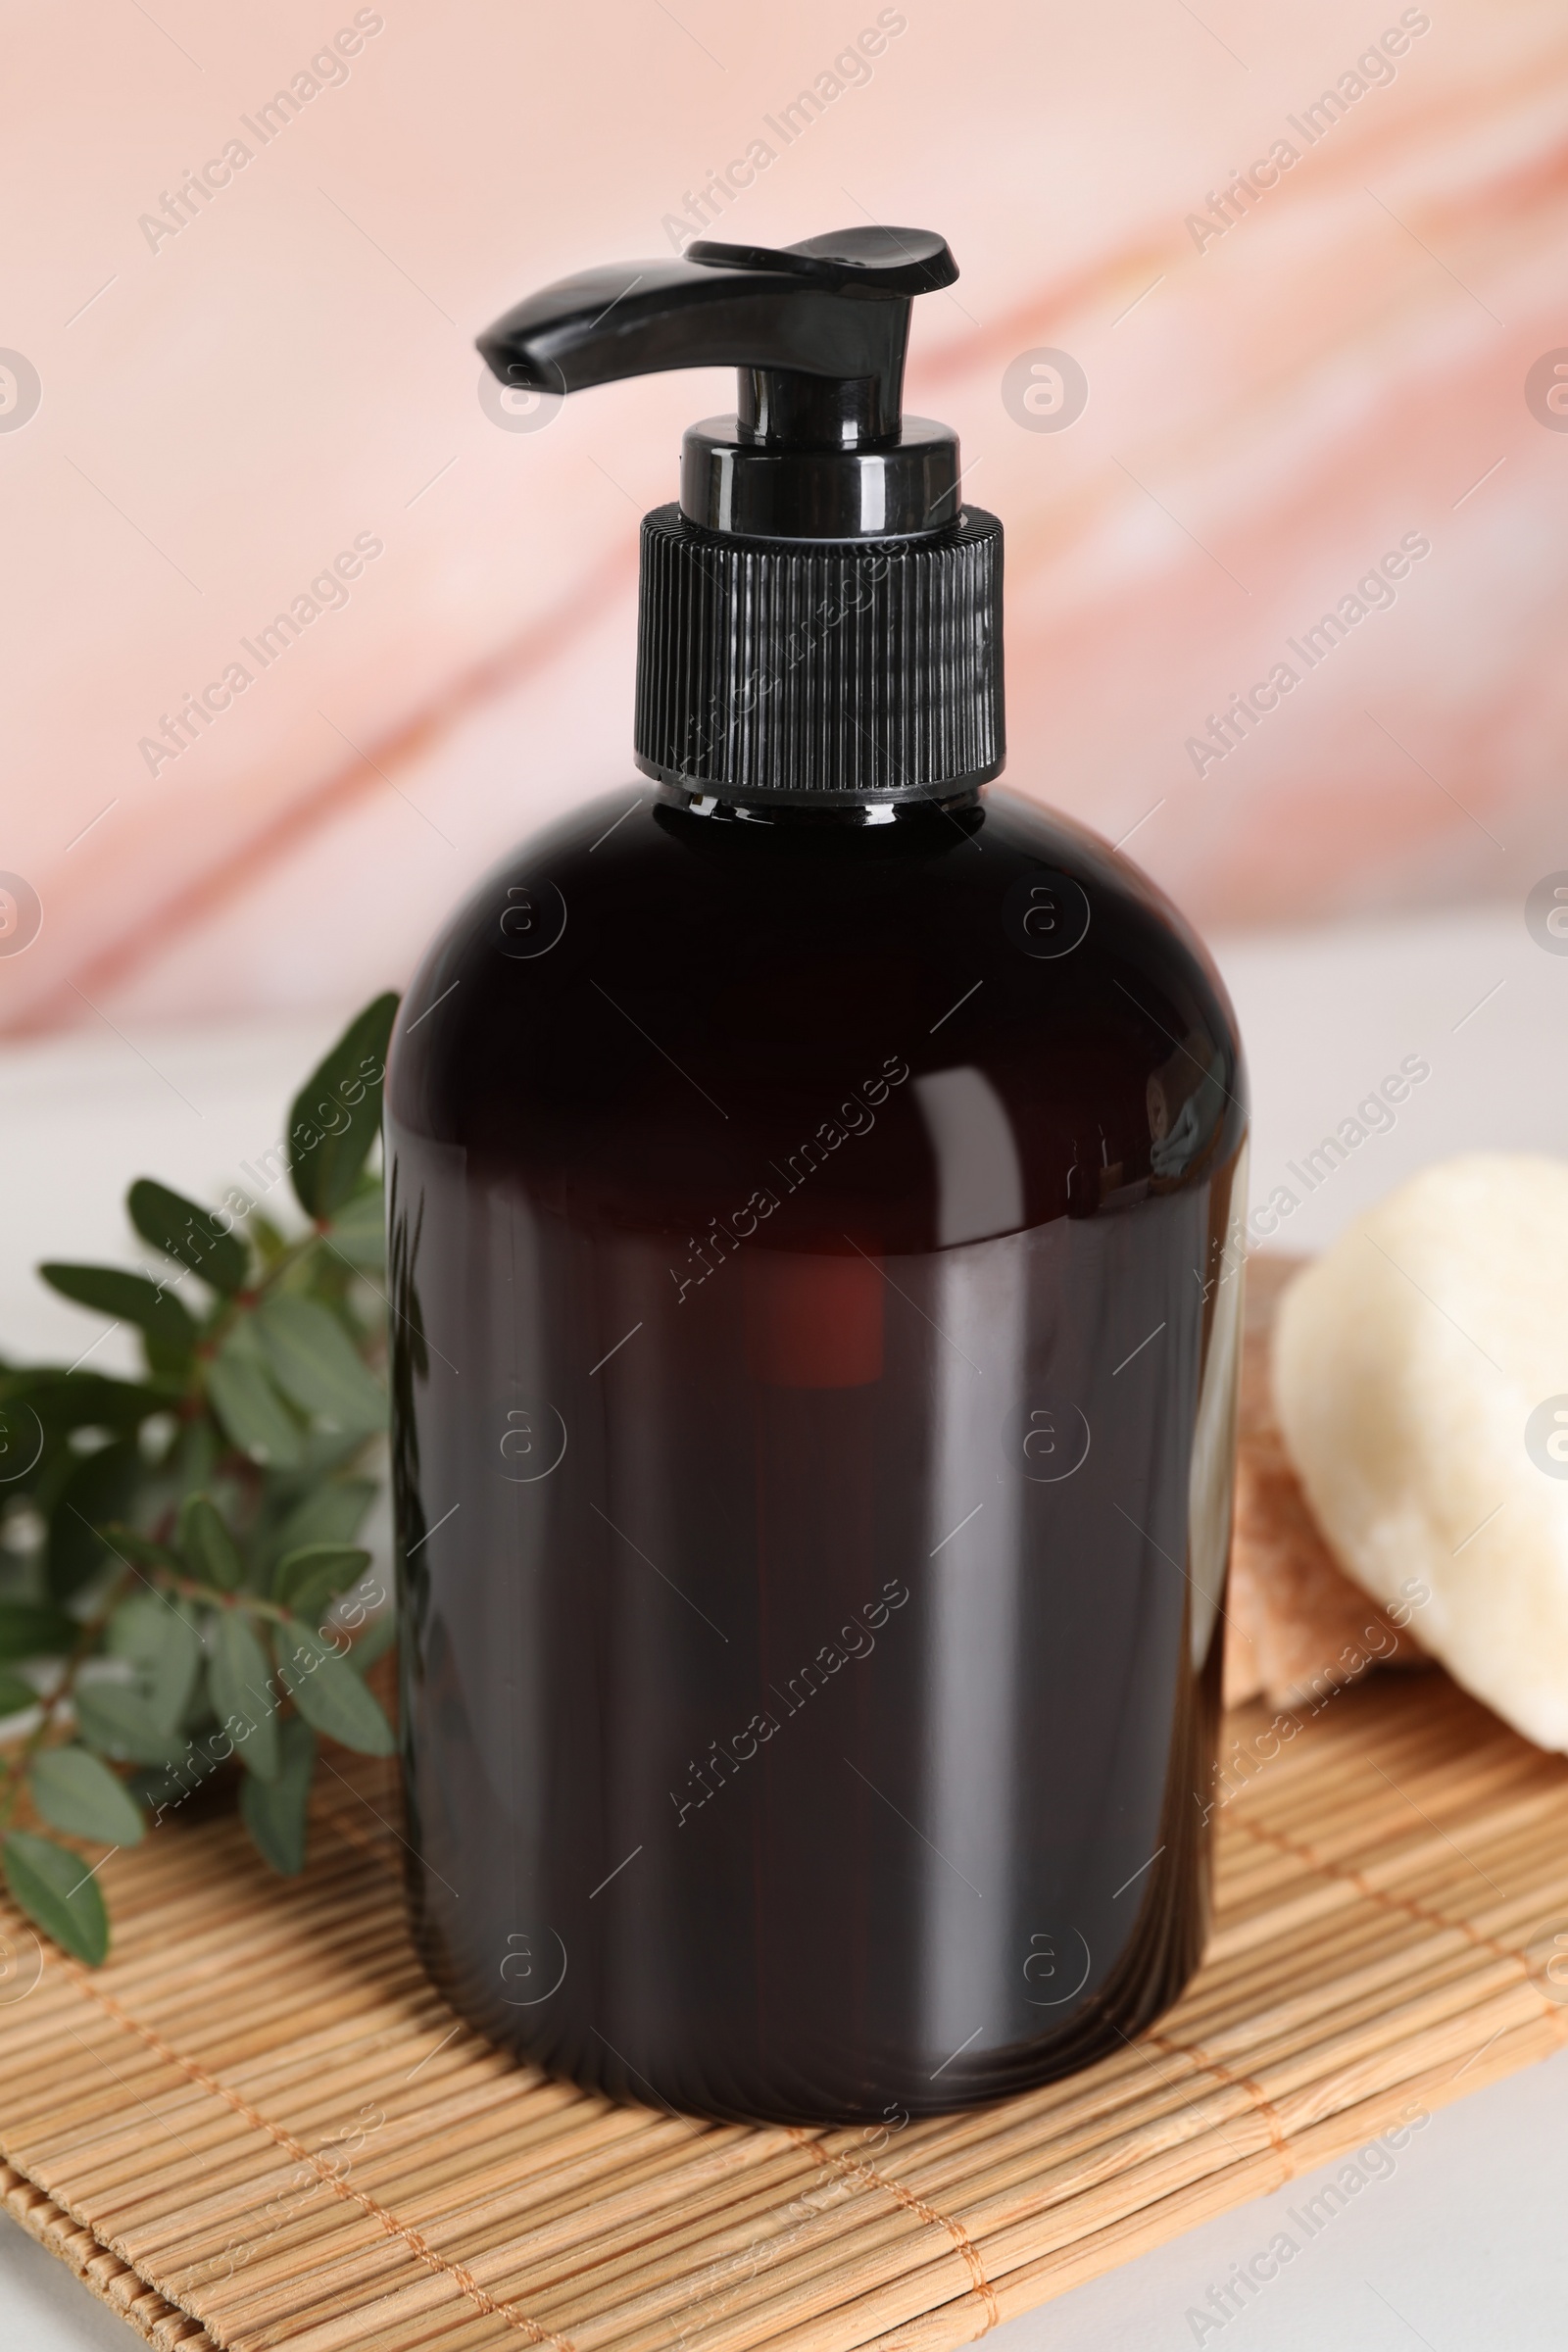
(210, 1598)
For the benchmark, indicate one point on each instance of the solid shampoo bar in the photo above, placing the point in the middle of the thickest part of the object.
(1421, 1381)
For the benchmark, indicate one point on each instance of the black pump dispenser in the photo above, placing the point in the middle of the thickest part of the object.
(820, 620)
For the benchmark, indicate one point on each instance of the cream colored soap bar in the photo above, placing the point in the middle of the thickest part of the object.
(1421, 1382)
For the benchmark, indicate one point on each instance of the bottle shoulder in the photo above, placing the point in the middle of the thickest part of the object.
(795, 921)
(638, 980)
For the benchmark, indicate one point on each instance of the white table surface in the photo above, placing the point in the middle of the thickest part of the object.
(1465, 2245)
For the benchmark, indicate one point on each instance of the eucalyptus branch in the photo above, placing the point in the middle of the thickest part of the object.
(232, 1580)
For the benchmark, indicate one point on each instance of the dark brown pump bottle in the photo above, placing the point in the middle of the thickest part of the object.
(816, 1198)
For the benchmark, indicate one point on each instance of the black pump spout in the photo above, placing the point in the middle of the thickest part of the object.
(817, 332)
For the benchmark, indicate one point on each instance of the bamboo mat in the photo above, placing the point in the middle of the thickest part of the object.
(256, 2124)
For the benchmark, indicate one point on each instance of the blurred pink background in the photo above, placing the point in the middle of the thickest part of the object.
(225, 408)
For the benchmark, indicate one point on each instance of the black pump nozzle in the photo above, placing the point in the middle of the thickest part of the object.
(817, 331)
(818, 621)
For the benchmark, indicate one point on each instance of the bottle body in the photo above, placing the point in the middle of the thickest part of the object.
(815, 1270)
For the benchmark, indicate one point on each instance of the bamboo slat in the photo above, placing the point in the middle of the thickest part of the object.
(167, 2122)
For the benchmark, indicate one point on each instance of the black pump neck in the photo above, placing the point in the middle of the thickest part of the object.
(821, 622)
(813, 411)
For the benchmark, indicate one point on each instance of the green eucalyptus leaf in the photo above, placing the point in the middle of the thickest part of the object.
(101, 1487)
(336, 1115)
(67, 1400)
(274, 1811)
(131, 1299)
(116, 1720)
(75, 1792)
(30, 1630)
(375, 1640)
(160, 1643)
(327, 1450)
(359, 1227)
(16, 1694)
(193, 1461)
(254, 1416)
(210, 1551)
(183, 1230)
(327, 1692)
(167, 1359)
(309, 1579)
(237, 1676)
(312, 1358)
(52, 1886)
(328, 1513)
